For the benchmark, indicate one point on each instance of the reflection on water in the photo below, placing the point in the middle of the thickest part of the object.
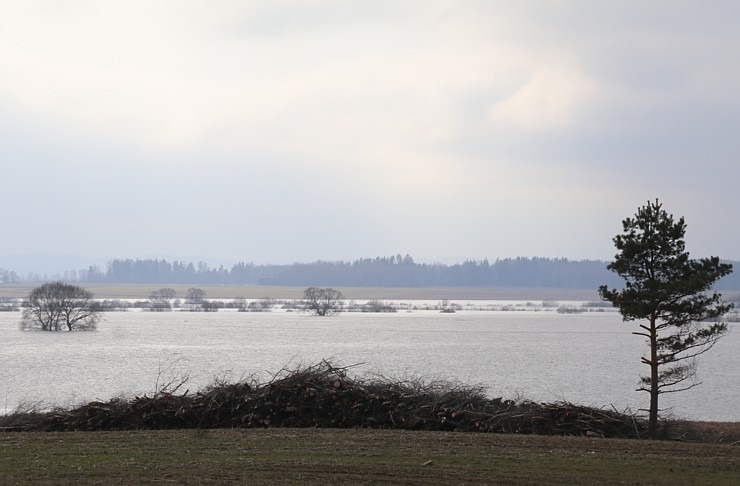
(589, 358)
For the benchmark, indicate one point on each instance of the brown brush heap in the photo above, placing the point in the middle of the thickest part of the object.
(323, 395)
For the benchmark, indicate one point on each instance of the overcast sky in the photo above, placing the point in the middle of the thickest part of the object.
(282, 131)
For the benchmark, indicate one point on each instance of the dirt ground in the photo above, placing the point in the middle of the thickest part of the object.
(358, 456)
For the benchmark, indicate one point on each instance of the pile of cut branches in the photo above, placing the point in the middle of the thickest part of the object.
(323, 395)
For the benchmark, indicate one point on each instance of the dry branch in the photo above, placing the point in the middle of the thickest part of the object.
(324, 395)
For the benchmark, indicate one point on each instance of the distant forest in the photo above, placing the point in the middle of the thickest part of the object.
(393, 271)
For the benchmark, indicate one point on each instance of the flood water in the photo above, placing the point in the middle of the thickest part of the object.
(589, 358)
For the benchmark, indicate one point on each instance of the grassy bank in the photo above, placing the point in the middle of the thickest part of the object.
(355, 456)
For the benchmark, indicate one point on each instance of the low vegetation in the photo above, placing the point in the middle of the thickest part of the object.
(326, 396)
(9, 305)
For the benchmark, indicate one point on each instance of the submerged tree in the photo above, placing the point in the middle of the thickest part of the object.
(159, 300)
(322, 302)
(195, 296)
(672, 293)
(195, 299)
(58, 306)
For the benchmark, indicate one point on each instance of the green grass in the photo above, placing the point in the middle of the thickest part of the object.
(359, 456)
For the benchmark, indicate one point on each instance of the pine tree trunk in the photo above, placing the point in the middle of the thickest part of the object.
(654, 391)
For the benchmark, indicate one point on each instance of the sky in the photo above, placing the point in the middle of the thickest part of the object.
(293, 131)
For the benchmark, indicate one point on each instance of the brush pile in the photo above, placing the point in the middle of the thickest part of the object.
(326, 396)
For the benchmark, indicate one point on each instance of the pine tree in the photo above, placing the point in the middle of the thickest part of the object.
(672, 293)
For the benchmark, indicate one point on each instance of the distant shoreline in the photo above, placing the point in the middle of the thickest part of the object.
(142, 291)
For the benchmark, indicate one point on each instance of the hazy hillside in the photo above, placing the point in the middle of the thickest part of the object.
(393, 271)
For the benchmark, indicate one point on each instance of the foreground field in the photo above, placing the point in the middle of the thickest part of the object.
(356, 456)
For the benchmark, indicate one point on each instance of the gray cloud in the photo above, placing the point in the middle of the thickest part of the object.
(285, 131)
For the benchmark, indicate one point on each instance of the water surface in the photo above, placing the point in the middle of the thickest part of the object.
(590, 358)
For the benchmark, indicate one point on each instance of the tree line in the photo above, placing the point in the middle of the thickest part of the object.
(393, 271)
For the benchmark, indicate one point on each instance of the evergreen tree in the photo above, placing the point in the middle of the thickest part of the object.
(672, 294)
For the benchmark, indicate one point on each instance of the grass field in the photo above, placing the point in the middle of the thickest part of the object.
(358, 456)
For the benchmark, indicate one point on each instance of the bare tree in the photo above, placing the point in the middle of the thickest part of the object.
(240, 303)
(322, 302)
(195, 296)
(58, 306)
(195, 299)
(159, 300)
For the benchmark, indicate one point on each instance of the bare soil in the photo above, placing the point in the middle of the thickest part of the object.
(356, 456)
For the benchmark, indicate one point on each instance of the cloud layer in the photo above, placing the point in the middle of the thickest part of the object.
(291, 131)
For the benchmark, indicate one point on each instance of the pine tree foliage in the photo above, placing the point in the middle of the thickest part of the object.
(671, 295)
